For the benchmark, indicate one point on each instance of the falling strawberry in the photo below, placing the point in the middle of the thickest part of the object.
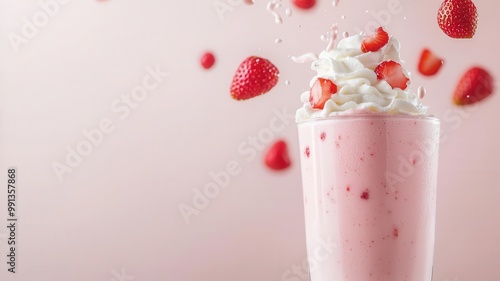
(207, 60)
(429, 63)
(392, 72)
(475, 85)
(277, 156)
(304, 4)
(375, 41)
(321, 91)
(255, 76)
(458, 18)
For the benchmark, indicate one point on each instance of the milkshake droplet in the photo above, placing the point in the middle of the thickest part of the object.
(287, 82)
(421, 92)
(345, 34)
(305, 58)
(335, 3)
(288, 12)
(331, 43)
(248, 2)
(271, 7)
(278, 40)
(343, 17)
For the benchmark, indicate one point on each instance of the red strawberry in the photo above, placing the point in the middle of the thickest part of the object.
(277, 156)
(255, 76)
(392, 72)
(475, 85)
(365, 195)
(429, 63)
(458, 18)
(304, 4)
(320, 92)
(375, 41)
(207, 60)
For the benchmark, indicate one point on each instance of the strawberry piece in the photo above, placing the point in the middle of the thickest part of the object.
(322, 136)
(375, 41)
(395, 232)
(365, 195)
(320, 92)
(207, 60)
(255, 76)
(304, 4)
(307, 152)
(476, 84)
(277, 156)
(429, 63)
(458, 18)
(392, 72)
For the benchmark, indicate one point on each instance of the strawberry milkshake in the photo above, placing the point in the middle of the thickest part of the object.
(369, 157)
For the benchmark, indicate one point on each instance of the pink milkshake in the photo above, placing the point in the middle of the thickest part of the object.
(370, 188)
(369, 159)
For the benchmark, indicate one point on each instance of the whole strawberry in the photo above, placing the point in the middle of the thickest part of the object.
(304, 4)
(255, 76)
(458, 18)
(476, 84)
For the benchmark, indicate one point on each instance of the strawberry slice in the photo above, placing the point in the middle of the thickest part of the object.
(458, 18)
(304, 4)
(429, 63)
(277, 156)
(320, 92)
(255, 76)
(375, 41)
(392, 72)
(476, 84)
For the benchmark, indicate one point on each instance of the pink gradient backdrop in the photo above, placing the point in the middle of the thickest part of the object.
(118, 209)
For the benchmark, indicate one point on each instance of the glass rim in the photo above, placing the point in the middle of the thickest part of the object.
(431, 118)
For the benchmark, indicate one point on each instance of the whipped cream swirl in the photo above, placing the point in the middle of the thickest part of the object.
(358, 89)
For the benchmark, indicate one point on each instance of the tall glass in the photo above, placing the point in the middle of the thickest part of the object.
(369, 184)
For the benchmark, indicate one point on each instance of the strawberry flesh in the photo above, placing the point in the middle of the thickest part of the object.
(277, 156)
(475, 85)
(458, 18)
(375, 41)
(392, 73)
(255, 76)
(429, 63)
(320, 92)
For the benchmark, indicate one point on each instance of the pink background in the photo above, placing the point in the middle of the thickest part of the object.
(118, 213)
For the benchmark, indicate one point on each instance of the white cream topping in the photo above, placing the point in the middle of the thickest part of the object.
(358, 89)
